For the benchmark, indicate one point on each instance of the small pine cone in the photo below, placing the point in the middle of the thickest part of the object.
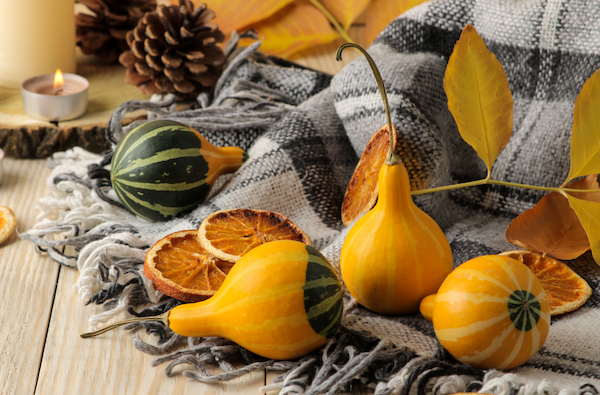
(174, 50)
(104, 33)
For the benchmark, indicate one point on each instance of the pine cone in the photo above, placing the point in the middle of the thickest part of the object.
(103, 34)
(173, 50)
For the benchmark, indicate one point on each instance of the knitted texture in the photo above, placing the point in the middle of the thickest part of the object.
(304, 132)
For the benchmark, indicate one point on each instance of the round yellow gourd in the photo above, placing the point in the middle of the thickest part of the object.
(395, 254)
(491, 312)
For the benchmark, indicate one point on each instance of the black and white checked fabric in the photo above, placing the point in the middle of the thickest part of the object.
(302, 159)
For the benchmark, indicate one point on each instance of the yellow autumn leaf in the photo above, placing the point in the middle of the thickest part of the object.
(237, 14)
(479, 97)
(381, 12)
(588, 213)
(345, 12)
(298, 26)
(298, 34)
(585, 138)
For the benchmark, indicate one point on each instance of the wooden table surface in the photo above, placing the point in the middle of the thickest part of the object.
(41, 316)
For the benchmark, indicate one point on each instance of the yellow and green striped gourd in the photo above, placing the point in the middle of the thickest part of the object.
(281, 300)
(491, 312)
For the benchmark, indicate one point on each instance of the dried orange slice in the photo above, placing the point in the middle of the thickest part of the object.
(8, 223)
(566, 290)
(179, 267)
(362, 191)
(229, 234)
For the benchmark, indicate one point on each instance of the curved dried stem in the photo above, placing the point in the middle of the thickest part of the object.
(164, 318)
(392, 158)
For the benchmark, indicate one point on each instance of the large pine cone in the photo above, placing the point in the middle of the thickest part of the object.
(103, 34)
(173, 50)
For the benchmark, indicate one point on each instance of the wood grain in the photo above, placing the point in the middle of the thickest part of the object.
(27, 282)
(109, 364)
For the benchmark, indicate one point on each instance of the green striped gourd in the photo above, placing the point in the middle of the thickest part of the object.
(163, 168)
(281, 300)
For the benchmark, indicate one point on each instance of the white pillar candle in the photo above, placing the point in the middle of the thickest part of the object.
(36, 37)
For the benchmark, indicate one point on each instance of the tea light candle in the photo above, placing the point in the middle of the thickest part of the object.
(55, 97)
(36, 37)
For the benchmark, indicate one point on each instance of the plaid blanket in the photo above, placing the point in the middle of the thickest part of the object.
(304, 132)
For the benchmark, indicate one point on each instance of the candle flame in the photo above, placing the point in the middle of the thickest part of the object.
(59, 81)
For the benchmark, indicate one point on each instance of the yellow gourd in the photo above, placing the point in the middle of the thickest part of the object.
(491, 312)
(395, 254)
(281, 300)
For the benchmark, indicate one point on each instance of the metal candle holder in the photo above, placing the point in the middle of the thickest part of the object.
(41, 102)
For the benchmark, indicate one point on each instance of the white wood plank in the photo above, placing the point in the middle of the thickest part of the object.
(27, 281)
(109, 363)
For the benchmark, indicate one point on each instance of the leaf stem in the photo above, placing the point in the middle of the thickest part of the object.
(485, 181)
(333, 21)
(450, 187)
(526, 186)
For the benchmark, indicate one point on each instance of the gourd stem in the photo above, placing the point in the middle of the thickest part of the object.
(392, 158)
(164, 318)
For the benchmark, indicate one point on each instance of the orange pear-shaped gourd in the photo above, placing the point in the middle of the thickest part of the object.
(395, 254)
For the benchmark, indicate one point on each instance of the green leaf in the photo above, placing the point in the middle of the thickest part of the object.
(479, 97)
(588, 213)
(585, 139)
